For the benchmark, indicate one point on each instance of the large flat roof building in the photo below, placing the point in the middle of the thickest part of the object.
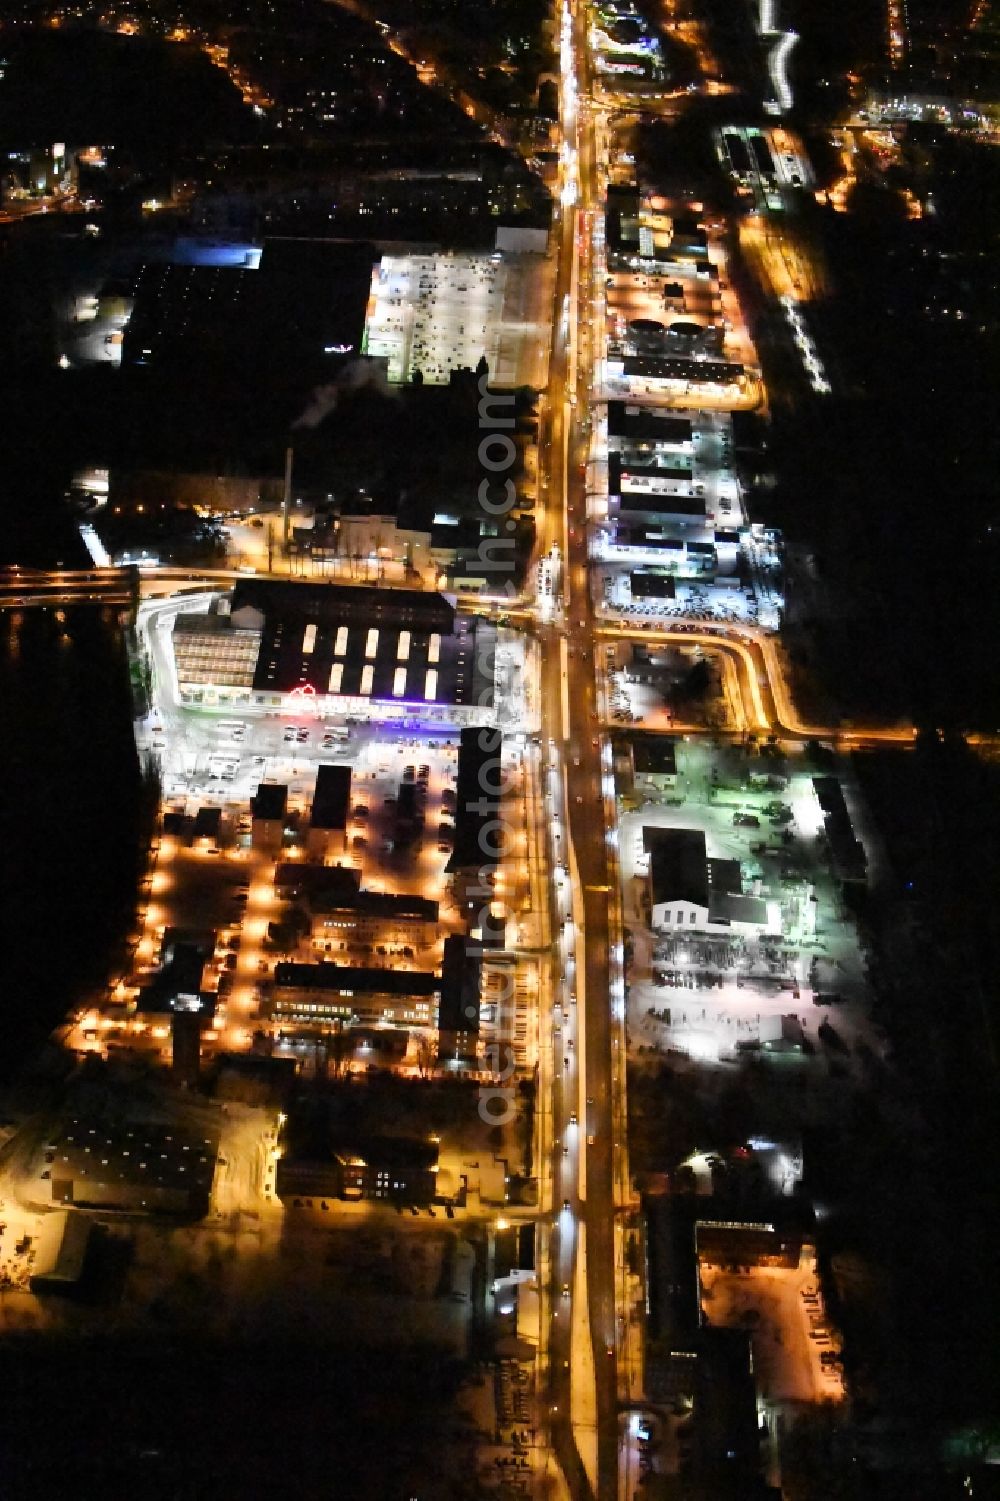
(343, 604)
(267, 815)
(461, 991)
(133, 1166)
(373, 653)
(323, 995)
(847, 853)
(690, 370)
(383, 917)
(477, 801)
(648, 424)
(348, 981)
(331, 806)
(319, 883)
(398, 1169)
(624, 474)
(649, 584)
(179, 985)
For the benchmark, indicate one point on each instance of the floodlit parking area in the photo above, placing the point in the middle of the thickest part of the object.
(640, 686)
(794, 991)
(623, 597)
(796, 1352)
(221, 757)
(629, 703)
(439, 313)
(214, 876)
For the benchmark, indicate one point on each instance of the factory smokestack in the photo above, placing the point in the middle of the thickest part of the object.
(286, 498)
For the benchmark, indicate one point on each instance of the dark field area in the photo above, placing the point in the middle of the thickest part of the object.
(171, 1421)
(95, 88)
(70, 817)
(891, 480)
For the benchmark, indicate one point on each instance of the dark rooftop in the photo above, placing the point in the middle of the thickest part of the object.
(344, 604)
(269, 801)
(346, 980)
(652, 585)
(331, 799)
(650, 503)
(678, 867)
(378, 904)
(727, 1453)
(206, 823)
(200, 939)
(656, 755)
(291, 878)
(619, 465)
(395, 645)
(178, 986)
(676, 367)
(98, 1154)
(461, 979)
(477, 800)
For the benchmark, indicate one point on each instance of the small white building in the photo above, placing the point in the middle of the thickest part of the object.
(691, 892)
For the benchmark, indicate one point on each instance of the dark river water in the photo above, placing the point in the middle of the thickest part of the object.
(69, 815)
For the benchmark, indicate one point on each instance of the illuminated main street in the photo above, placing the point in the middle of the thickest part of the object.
(591, 1352)
(585, 1391)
